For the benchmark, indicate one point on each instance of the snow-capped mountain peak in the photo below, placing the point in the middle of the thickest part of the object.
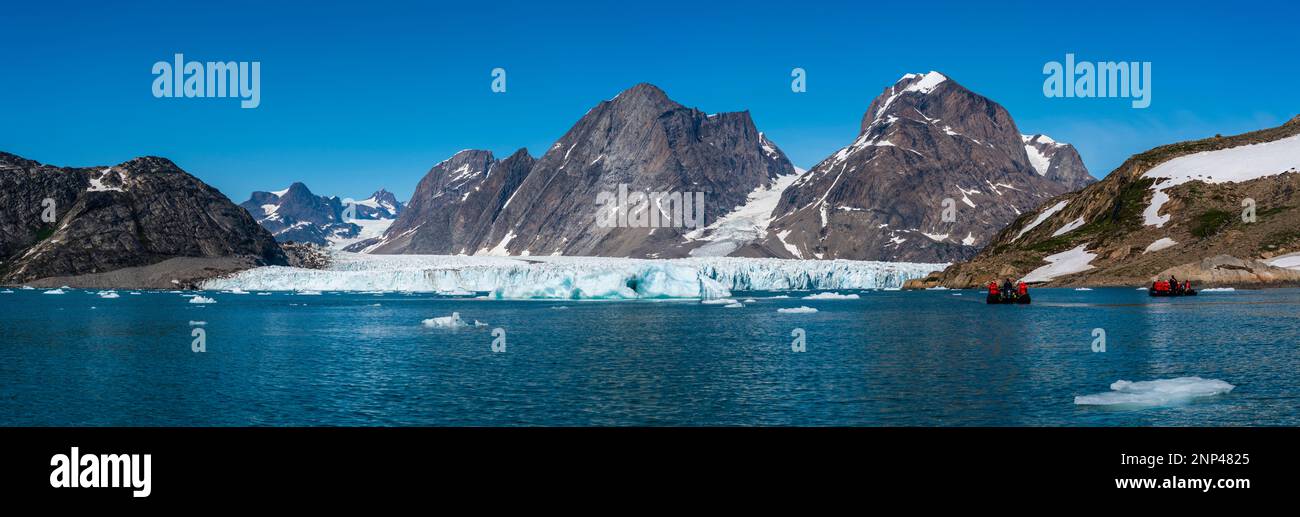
(296, 214)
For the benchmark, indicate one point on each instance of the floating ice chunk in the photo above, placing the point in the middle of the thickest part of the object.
(54, 291)
(1219, 290)
(237, 291)
(1083, 289)
(6, 291)
(109, 294)
(749, 300)
(1160, 392)
(733, 305)
(718, 301)
(446, 322)
(202, 299)
(197, 323)
(797, 310)
(308, 293)
(831, 296)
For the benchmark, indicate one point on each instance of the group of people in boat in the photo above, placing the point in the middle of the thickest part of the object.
(1172, 287)
(1008, 293)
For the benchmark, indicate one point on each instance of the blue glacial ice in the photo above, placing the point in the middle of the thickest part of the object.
(575, 277)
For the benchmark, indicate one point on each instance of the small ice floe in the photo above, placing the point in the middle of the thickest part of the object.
(1219, 290)
(831, 296)
(237, 291)
(134, 293)
(936, 288)
(892, 289)
(27, 288)
(1083, 289)
(735, 305)
(456, 292)
(797, 310)
(1142, 288)
(374, 305)
(1160, 392)
(778, 297)
(54, 291)
(749, 300)
(264, 294)
(560, 308)
(109, 294)
(197, 323)
(6, 291)
(308, 293)
(446, 322)
(718, 301)
(956, 294)
(478, 323)
(202, 299)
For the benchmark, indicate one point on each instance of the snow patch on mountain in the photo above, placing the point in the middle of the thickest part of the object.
(745, 223)
(1233, 165)
(1065, 263)
(1041, 217)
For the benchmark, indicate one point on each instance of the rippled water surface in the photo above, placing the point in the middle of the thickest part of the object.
(888, 358)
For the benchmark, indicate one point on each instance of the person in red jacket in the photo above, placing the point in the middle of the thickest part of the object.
(993, 287)
(1022, 290)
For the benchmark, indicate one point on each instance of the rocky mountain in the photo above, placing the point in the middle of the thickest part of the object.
(926, 144)
(1221, 210)
(142, 223)
(1056, 161)
(587, 194)
(455, 204)
(297, 215)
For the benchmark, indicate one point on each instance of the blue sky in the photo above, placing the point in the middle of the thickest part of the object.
(355, 97)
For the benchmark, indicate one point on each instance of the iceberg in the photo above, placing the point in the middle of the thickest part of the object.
(447, 322)
(1160, 392)
(202, 299)
(574, 278)
(797, 310)
(831, 296)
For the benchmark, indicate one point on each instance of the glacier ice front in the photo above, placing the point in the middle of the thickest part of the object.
(575, 277)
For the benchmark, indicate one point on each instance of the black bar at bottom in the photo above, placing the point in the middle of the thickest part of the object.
(232, 464)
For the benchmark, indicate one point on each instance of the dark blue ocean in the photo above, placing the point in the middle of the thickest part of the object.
(890, 358)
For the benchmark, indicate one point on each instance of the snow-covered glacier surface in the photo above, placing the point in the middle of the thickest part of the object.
(575, 277)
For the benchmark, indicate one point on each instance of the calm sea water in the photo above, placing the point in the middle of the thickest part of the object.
(889, 358)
